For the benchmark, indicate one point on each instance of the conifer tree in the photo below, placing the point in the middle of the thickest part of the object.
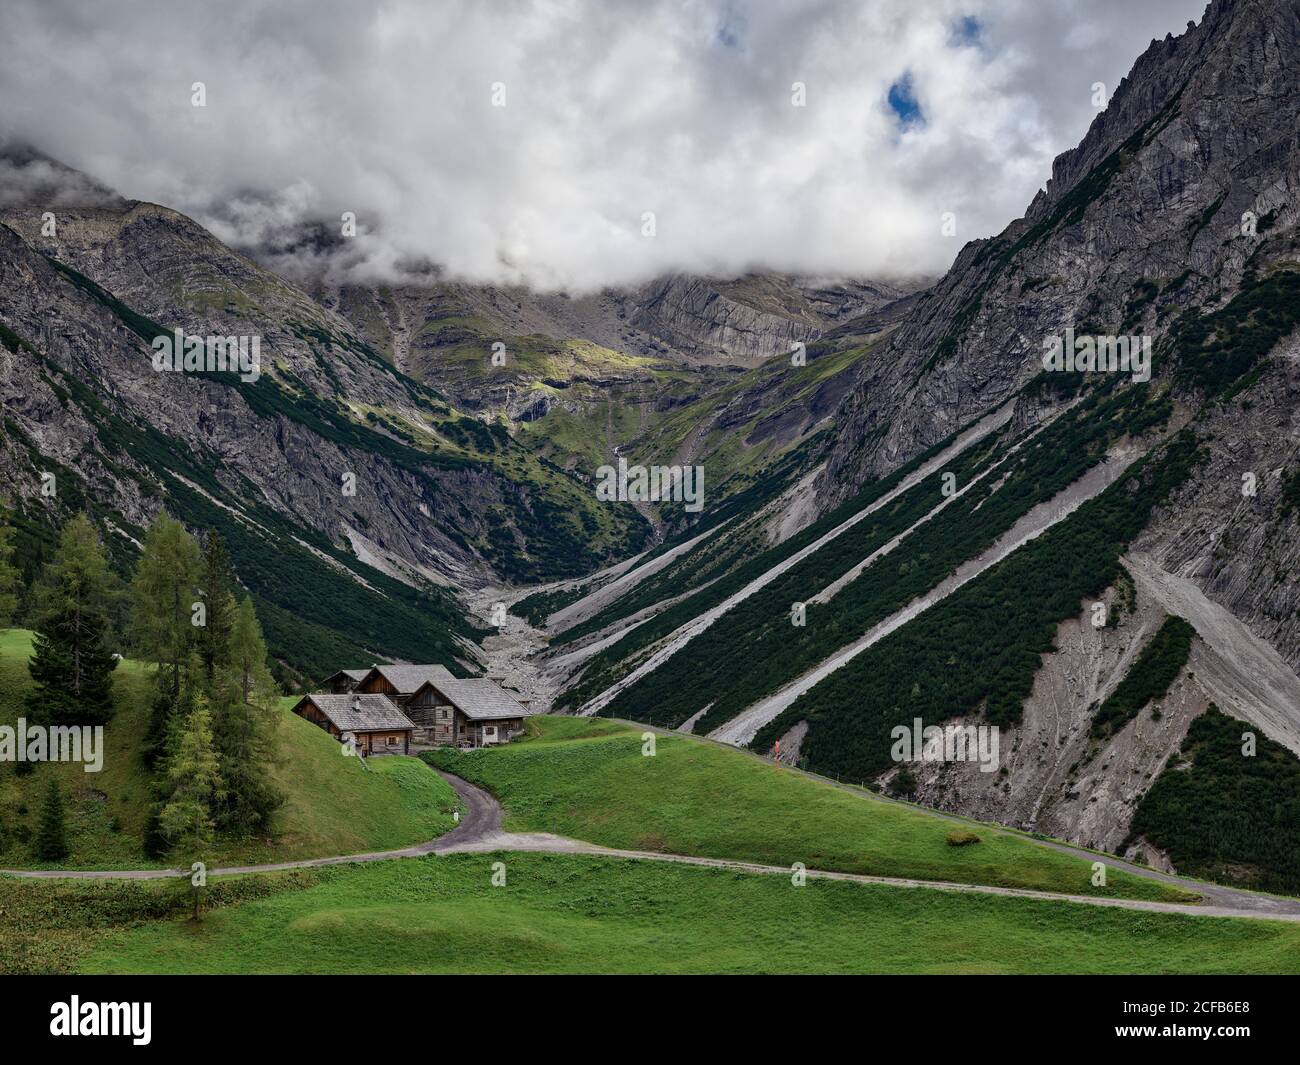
(164, 592)
(195, 789)
(248, 656)
(51, 836)
(169, 721)
(71, 663)
(9, 582)
(163, 596)
(244, 728)
(193, 781)
(216, 592)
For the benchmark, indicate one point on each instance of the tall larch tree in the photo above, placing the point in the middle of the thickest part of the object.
(217, 593)
(195, 789)
(164, 594)
(244, 725)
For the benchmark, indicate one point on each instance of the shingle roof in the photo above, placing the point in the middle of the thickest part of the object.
(406, 679)
(356, 675)
(359, 713)
(480, 699)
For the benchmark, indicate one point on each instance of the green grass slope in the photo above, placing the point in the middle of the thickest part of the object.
(588, 779)
(567, 914)
(333, 804)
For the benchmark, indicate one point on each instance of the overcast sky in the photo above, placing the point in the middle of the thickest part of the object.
(913, 108)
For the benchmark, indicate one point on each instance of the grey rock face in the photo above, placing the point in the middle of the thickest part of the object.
(1053, 776)
(1230, 529)
(1140, 223)
(1199, 133)
(750, 319)
(438, 519)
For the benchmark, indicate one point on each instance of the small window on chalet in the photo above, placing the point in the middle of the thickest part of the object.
(392, 741)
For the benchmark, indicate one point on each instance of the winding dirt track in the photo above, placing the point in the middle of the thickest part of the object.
(480, 831)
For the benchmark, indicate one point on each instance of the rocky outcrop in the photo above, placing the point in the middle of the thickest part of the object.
(164, 266)
(1231, 530)
(325, 446)
(750, 319)
(1053, 776)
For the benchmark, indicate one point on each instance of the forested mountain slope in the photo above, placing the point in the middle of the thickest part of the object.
(350, 493)
(1031, 590)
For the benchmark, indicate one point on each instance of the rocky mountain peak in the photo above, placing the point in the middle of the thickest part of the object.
(1138, 223)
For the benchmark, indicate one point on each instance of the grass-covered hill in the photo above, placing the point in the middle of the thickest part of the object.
(587, 778)
(580, 914)
(593, 914)
(333, 805)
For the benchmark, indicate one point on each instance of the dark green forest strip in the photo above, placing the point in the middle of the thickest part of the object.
(308, 606)
(831, 561)
(778, 652)
(1229, 817)
(981, 647)
(1220, 351)
(539, 606)
(730, 563)
(1149, 678)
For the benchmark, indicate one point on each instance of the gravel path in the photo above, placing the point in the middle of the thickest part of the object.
(481, 819)
(480, 831)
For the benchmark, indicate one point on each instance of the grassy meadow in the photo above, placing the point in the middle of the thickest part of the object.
(582, 914)
(587, 778)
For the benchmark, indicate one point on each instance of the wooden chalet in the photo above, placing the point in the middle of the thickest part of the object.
(345, 680)
(400, 683)
(376, 724)
(475, 712)
(433, 706)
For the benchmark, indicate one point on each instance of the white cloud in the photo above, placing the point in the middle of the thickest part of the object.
(316, 107)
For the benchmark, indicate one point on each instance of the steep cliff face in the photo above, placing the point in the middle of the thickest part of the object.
(1175, 218)
(681, 320)
(1140, 222)
(971, 601)
(749, 319)
(1054, 776)
(339, 446)
(946, 573)
(1234, 530)
(1182, 197)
